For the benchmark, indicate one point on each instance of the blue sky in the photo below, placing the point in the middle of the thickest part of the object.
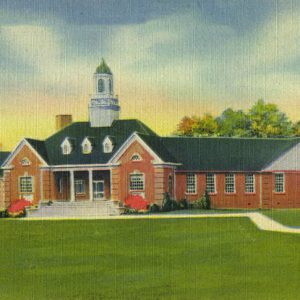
(169, 58)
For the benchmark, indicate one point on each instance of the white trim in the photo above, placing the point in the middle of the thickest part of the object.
(234, 183)
(186, 183)
(91, 192)
(283, 182)
(66, 142)
(139, 158)
(17, 149)
(134, 138)
(137, 172)
(86, 141)
(72, 186)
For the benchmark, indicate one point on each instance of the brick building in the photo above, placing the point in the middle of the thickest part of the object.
(109, 159)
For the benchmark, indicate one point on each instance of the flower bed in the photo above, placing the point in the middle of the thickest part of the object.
(17, 208)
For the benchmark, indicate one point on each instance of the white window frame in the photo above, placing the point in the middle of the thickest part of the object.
(249, 186)
(229, 185)
(191, 184)
(107, 145)
(86, 146)
(26, 190)
(281, 183)
(135, 186)
(212, 184)
(66, 147)
(81, 183)
(25, 161)
(136, 157)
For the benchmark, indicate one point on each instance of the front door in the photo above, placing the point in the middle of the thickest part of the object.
(98, 190)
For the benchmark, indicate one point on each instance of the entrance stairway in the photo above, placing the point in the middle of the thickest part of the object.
(83, 209)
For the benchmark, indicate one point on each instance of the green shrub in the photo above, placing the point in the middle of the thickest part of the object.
(3, 214)
(154, 208)
(203, 202)
(184, 204)
(169, 204)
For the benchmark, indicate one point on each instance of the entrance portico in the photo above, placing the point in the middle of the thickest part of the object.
(82, 185)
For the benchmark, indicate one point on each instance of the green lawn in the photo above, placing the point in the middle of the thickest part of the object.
(147, 259)
(290, 217)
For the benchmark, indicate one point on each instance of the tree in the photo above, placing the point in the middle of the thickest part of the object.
(206, 126)
(296, 129)
(186, 125)
(268, 121)
(233, 123)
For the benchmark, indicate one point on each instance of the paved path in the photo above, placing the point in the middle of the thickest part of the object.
(261, 221)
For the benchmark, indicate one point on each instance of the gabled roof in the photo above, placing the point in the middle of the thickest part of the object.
(226, 154)
(3, 156)
(120, 131)
(40, 147)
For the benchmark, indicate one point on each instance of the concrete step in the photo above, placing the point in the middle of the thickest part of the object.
(75, 209)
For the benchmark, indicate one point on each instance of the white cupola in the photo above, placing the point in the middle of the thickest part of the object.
(104, 107)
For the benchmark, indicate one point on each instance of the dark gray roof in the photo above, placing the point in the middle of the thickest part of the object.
(3, 156)
(192, 154)
(119, 132)
(226, 154)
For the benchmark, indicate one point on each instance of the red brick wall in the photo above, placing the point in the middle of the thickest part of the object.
(11, 177)
(156, 177)
(2, 199)
(239, 199)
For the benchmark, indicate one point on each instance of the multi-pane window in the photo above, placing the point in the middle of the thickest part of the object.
(191, 183)
(249, 183)
(211, 183)
(26, 184)
(229, 183)
(136, 182)
(79, 186)
(279, 183)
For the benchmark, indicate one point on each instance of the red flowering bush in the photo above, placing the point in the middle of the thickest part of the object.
(136, 202)
(17, 208)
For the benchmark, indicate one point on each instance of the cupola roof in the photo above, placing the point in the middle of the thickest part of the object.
(103, 68)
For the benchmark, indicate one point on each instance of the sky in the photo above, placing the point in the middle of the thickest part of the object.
(169, 58)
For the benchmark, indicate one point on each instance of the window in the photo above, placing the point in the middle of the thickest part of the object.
(79, 186)
(26, 184)
(279, 183)
(86, 146)
(249, 183)
(100, 85)
(191, 183)
(229, 183)
(136, 157)
(110, 86)
(66, 146)
(136, 182)
(108, 144)
(60, 185)
(25, 162)
(211, 183)
(170, 185)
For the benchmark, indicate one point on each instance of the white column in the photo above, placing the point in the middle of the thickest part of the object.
(91, 184)
(72, 186)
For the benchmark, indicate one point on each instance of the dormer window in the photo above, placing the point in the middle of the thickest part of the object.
(66, 147)
(86, 146)
(25, 162)
(108, 144)
(136, 157)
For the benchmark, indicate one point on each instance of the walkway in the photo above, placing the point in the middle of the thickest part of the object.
(261, 221)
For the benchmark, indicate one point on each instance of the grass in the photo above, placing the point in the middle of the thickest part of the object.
(290, 217)
(147, 259)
